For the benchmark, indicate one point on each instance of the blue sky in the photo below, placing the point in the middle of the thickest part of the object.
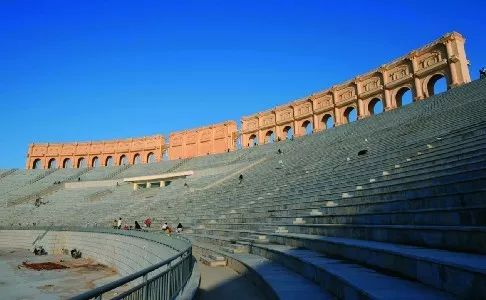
(90, 70)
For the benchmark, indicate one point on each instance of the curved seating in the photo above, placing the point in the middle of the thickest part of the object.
(406, 218)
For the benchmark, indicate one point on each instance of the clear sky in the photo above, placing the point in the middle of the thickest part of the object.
(90, 70)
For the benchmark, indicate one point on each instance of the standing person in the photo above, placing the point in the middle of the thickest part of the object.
(241, 178)
(115, 224)
(148, 222)
(165, 226)
(119, 223)
(179, 228)
(137, 226)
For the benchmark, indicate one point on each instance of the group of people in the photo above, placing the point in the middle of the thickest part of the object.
(169, 230)
(117, 224)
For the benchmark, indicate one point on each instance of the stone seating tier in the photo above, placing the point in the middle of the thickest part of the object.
(405, 219)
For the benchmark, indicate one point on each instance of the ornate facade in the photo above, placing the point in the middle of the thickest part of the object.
(418, 72)
(218, 138)
(96, 153)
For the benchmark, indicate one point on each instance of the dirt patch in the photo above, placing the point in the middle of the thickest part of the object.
(43, 266)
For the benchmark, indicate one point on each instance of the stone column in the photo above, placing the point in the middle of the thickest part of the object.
(317, 124)
(452, 59)
(419, 93)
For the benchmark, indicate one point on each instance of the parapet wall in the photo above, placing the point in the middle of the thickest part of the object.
(213, 139)
(96, 153)
(418, 71)
(127, 254)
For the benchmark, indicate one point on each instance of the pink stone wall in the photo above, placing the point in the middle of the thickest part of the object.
(88, 151)
(217, 138)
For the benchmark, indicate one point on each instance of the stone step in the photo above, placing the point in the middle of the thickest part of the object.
(276, 281)
(434, 267)
(298, 221)
(255, 238)
(452, 238)
(344, 279)
(236, 248)
(452, 216)
(209, 261)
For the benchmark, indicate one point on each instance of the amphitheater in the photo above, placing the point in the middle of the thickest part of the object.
(387, 207)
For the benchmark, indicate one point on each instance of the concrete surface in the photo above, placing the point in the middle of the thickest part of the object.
(224, 283)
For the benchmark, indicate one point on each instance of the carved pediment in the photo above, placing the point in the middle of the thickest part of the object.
(138, 145)
(176, 140)
(67, 149)
(267, 120)
(96, 148)
(191, 138)
(219, 133)
(346, 94)
(372, 84)
(109, 148)
(429, 60)
(149, 145)
(205, 135)
(53, 150)
(303, 109)
(123, 146)
(398, 73)
(322, 101)
(284, 115)
(251, 125)
(83, 149)
(39, 151)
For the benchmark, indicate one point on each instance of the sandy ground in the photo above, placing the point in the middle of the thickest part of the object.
(19, 282)
(225, 283)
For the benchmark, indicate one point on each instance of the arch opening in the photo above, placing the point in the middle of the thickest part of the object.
(81, 163)
(109, 161)
(327, 121)
(437, 84)
(253, 140)
(375, 106)
(37, 164)
(404, 97)
(95, 162)
(151, 157)
(52, 163)
(67, 163)
(269, 137)
(350, 114)
(123, 160)
(307, 127)
(289, 132)
(137, 159)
